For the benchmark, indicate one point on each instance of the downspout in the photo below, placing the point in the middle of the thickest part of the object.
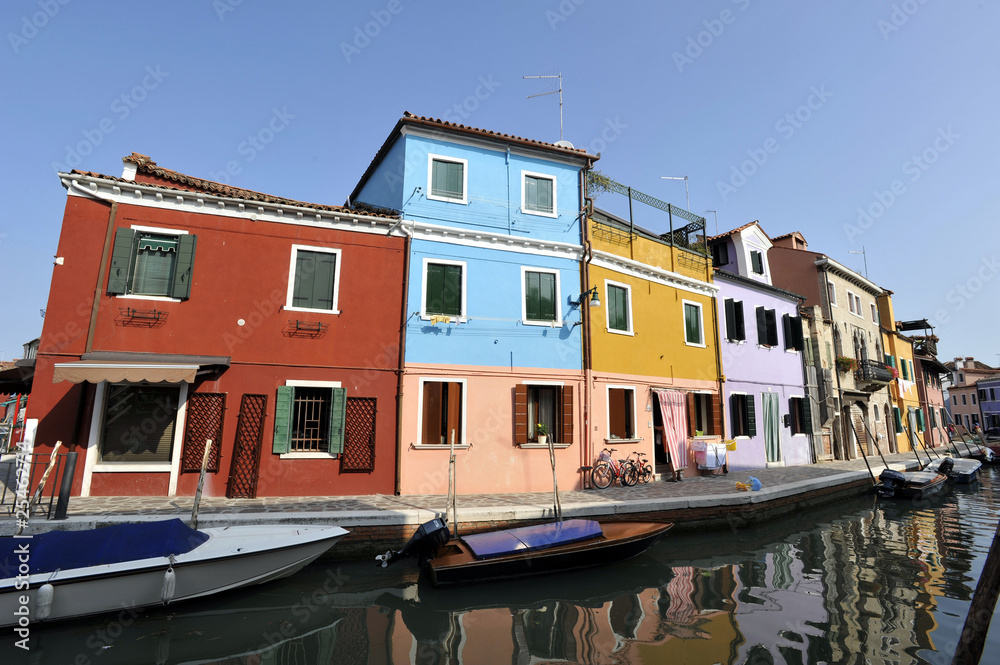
(403, 319)
(509, 230)
(721, 379)
(840, 390)
(588, 254)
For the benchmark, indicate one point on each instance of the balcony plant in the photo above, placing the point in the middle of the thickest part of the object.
(542, 430)
(846, 364)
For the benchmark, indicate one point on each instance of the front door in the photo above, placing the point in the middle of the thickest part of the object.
(772, 427)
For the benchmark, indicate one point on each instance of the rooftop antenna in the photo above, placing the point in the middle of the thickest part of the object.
(865, 256)
(685, 179)
(716, 221)
(551, 92)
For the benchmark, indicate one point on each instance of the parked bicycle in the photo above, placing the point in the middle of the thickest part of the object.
(642, 466)
(608, 469)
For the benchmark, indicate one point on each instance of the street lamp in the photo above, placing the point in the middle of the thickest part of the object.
(685, 179)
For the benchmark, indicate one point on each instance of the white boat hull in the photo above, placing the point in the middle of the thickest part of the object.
(232, 557)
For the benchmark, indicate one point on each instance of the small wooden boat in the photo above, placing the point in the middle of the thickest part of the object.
(525, 551)
(66, 574)
(961, 470)
(911, 484)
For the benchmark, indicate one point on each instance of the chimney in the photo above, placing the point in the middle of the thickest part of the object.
(958, 363)
(128, 173)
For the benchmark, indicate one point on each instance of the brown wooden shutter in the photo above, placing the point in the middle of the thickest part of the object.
(205, 417)
(716, 416)
(521, 414)
(567, 415)
(692, 415)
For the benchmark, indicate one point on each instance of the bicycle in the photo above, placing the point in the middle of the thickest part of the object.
(642, 466)
(607, 470)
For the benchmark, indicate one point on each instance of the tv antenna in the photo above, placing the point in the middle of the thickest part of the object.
(863, 255)
(551, 92)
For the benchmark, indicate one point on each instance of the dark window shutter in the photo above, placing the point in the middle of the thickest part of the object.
(920, 420)
(772, 327)
(338, 411)
(521, 414)
(897, 419)
(786, 327)
(761, 326)
(751, 417)
(757, 262)
(735, 409)
(741, 333)
(121, 260)
(184, 269)
(567, 415)
(692, 415)
(730, 319)
(283, 420)
(807, 422)
(720, 254)
(798, 342)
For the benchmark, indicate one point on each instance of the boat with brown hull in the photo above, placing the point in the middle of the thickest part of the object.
(913, 484)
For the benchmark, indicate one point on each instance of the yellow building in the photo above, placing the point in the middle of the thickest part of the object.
(905, 416)
(655, 331)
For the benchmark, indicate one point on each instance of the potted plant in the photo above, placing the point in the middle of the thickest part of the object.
(542, 430)
(846, 364)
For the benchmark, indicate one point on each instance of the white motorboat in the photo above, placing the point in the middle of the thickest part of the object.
(67, 574)
(962, 471)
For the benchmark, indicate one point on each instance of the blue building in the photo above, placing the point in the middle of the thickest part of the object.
(492, 342)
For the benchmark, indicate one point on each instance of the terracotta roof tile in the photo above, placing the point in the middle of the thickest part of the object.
(186, 183)
(411, 118)
(737, 230)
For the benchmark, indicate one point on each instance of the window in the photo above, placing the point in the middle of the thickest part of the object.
(973, 398)
(444, 288)
(944, 416)
(720, 254)
(954, 399)
(903, 365)
(538, 194)
(139, 422)
(741, 410)
(693, 331)
(756, 262)
(968, 424)
(921, 425)
(992, 395)
(793, 332)
(930, 412)
(551, 404)
(897, 420)
(801, 415)
(314, 279)
(619, 307)
(541, 296)
(621, 413)
(735, 330)
(961, 378)
(767, 327)
(964, 403)
(154, 263)
(309, 418)
(701, 408)
(982, 394)
(975, 420)
(850, 302)
(832, 293)
(874, 313)
(447, 178)
(442, 412)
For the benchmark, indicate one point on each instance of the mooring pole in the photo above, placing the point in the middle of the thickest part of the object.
(62, 504)
(865, 457)
(201, 484)
(977, 623)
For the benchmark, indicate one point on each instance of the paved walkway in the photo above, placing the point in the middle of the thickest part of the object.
(383, 510)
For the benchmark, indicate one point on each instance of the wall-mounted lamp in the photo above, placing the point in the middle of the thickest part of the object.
(595, 301)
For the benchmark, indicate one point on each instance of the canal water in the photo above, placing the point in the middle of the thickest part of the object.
(861, 581)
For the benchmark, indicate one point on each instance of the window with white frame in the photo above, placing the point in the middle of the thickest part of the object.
(152, 263)
(619, 307)
(832, 293)
(313, 279)
(735, 327)
(767, 327)
(538, 194)
(694, 333)
(443, 288)
(441, 415)
(756, 262)
(621, 413)
(742, 415)
(447, 178)
(139, 422)
(801, 415)
(547, 404)
(309, 417)
(541, 298)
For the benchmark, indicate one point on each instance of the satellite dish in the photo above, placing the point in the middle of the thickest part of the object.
(565, 144)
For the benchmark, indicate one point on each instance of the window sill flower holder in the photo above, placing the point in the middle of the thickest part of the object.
(306, 329)
(846, 364)
(141, 318)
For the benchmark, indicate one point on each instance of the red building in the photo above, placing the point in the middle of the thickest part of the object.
(183, 310)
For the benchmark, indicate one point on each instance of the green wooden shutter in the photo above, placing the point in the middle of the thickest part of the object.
(338, 413)
(761, 326)
(897, 419)
(751, 417)
(786, 328)
(741, 333)
(692, 324)
(730, 308)
(807, 422)
(772, 328)
(798, 340)
(283, 420)
(184, 269)
(906, 370)
(920, 420)
(121, 259)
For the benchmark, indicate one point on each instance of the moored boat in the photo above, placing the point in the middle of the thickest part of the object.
(912, 484)
(78, 573)
(525, 551)
(960, 470)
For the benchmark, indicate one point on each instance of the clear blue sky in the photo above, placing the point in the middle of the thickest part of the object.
(890, 108)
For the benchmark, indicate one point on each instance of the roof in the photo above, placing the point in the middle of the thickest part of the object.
(737, 230)
(763, 286)
(176, 181)
(413, 120)
(977, 366)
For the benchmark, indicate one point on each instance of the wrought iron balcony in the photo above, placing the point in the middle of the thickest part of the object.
(872, 373)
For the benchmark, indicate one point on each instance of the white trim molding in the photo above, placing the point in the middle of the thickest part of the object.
(291, 279)
(653, 274)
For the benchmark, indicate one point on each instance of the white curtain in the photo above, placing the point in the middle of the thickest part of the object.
(673, 408)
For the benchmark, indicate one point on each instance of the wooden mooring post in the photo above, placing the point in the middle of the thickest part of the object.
(977, 623)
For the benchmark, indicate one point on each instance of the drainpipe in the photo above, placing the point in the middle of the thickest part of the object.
(837, 436)
(403, 319)
(588, 254)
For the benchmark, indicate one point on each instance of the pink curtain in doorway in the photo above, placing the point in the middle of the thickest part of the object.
(673, 408)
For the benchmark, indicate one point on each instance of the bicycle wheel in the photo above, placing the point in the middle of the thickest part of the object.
(601, 476)
(647, 473)
(630, 474)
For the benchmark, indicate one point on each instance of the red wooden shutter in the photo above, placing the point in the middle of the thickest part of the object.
(521, 414)
(567, 415)
(692, 415)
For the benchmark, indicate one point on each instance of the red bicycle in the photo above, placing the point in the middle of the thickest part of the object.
(608, 469)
